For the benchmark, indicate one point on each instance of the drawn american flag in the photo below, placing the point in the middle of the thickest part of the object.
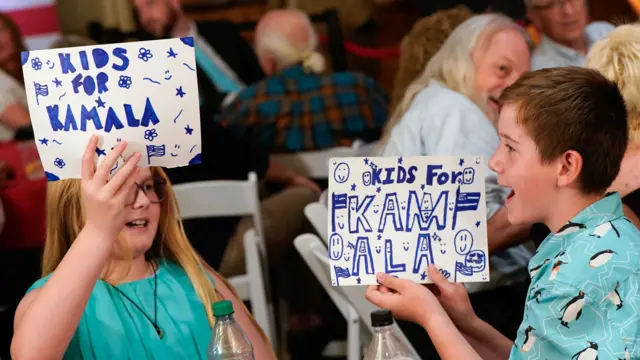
(41, 90)
(37, 20)
(155, 151)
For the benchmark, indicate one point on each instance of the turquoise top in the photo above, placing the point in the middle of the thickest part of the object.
(584, 297)
(113, 328)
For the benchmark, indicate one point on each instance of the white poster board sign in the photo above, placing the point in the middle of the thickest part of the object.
(398, 215)
(145, 93)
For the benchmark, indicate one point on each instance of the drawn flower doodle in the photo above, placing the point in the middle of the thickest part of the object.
(145, 54)
(445, 273)
(59, 163)
(150, 134)
(36, 64)
(125, 82)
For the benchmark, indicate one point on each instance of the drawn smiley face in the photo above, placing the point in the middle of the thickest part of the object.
(167, 75)
(177, 147)
(340, 219)
(341, 173)
(366, 178)
(376, 208)
(451, 205)
(378, 249)
(403, 205)
(336, 246)
(468, 174)
(405, 245)
(463, 241)
(347, 255)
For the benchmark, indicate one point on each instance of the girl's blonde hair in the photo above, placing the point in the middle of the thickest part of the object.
(453, 64)
(65, 219)
(617, 57)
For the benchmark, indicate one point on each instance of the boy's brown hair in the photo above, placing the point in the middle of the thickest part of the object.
(572, 108)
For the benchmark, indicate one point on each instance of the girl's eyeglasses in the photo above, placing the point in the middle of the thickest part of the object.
(154, 189)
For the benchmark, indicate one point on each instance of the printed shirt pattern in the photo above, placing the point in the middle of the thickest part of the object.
(583, 301)
(295, 111)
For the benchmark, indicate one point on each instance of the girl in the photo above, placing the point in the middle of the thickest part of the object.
(121, 280)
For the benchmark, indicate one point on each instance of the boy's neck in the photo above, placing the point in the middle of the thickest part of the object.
(566, 206)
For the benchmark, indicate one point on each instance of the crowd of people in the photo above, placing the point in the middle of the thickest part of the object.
(556, 120)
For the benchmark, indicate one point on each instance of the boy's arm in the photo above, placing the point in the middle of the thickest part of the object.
(488, 342)
(450, 343)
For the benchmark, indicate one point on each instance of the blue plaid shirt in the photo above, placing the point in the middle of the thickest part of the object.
(295, 111)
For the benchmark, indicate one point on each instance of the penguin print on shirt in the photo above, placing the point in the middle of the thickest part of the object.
(588, 353)
(600, 258)
(572, 310)
(529, 339)
(537, 295)
(614, 297)
(602, 230)
(556, 269)
(569, 228)
(561, 253)
(534, 270)
(627, 356)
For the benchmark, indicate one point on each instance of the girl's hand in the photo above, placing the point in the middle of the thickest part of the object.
(454, 299)
(103, 198)
(406, 299)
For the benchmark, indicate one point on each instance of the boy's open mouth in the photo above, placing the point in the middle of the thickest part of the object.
(138, 223)
(510, 196)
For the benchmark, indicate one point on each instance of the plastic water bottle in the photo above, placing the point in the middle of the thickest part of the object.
(228, 342)
(385, 344)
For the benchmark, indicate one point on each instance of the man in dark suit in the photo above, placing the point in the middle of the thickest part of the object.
(226, 62)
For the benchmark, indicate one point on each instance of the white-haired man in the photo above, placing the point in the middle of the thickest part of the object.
(296, 108)
(566, 32)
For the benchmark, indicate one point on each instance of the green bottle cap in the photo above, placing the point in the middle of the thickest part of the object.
(223, 308)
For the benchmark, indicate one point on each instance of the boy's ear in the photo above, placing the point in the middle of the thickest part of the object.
(569, 168)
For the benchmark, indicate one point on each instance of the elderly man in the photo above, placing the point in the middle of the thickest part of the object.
(226, 63)
(566, 34)
(296, 108)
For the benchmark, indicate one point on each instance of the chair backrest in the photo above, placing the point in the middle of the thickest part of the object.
(353, 295)
(318, 216)
(222, 198)
(315, 164)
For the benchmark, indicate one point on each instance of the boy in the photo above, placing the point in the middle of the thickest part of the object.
(563, 135)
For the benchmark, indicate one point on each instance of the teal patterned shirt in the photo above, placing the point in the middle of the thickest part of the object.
(583, 301)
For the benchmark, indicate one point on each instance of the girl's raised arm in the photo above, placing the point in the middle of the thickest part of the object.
(47, 318)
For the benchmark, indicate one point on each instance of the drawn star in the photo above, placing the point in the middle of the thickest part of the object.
(461, 162)
(477, 223)
(171, 53)
(422, 186)
(189, 130)
(100, 103)
(180, 93)
(44, 141)
(379, 237)
(378, 189)
(366, 161)
(57, 82)
(400, 160)
(100, 152)
(353, 187)
(359, 280)
(423, 276)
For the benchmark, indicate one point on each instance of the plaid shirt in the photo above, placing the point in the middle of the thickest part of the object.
(295, 111)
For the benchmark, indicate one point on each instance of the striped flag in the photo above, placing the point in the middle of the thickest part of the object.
(37, 20)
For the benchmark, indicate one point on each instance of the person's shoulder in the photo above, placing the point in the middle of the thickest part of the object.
(598, 29)
(600, 258)
(39, 283)
(440, 101)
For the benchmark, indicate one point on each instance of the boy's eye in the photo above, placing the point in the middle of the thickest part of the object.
(509, 148)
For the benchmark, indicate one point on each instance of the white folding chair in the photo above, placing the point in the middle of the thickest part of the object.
(315, 164)
(315, 256)
(236, 198)
(318, 215)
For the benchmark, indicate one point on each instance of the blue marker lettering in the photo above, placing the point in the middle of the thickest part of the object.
(65, 63)
(149, 115)
(53, 111)
(100, 58)
(90, 115)
(70, 120)
(84, 60)
(112, 121)
(120, 53)
(102, 82)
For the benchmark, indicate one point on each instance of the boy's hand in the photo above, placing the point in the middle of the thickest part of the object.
(103, 201)
(454, 299)
(406, 299)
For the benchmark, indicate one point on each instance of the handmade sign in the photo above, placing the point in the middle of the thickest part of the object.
(398, 215)
(143, 92)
